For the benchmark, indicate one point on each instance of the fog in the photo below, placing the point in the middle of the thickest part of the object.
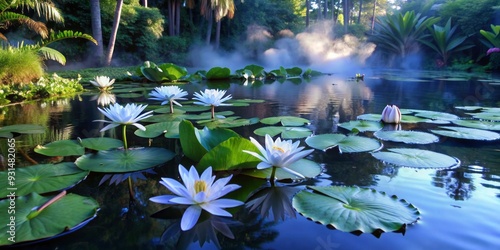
(316, 48)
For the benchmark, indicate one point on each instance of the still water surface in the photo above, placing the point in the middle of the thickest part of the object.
(459, 207)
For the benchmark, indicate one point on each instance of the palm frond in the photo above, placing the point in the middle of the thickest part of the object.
(47, 53)
(65, 34)
(43, 8)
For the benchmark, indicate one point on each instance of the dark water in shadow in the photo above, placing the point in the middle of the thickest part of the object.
(459, 207)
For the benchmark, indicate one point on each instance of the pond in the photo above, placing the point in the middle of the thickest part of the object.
(458, 206)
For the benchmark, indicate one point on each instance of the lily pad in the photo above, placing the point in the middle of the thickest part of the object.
(486, 125)
(192, 108)
(286, 132)
(416, 158)
(120, 161)
(346, 144)
(467, 133)
(229, 122)
(355, 209)
(307, 168)
(361, 125)
(101, 143)
(170, 129)
(42, 178)
(491, 116)
(9, 131)
(291, 121)
(437, 115)
(208, 115)
(176, 116)
(410, 137)
(65, 215)
(370, 117)
(61, 148)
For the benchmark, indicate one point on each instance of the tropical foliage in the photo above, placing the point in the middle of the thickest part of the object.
(446, 41)
(399, 34)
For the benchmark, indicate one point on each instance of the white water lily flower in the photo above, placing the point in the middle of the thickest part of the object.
(391, 114)
(128, 115)
(280, 154)
(212, 97)
(102, 82)
(200, 193)
(168, 94)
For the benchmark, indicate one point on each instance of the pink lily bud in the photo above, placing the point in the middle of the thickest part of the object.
(391, 114)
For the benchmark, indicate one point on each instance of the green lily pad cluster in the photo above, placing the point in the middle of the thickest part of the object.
(12, 130)
(169, 72)
(291, 127)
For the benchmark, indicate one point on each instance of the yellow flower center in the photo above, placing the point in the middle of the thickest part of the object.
(279, 149)
(200, 186)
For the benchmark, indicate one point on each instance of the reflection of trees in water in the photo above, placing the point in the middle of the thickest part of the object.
(457, 182)
(353, 168)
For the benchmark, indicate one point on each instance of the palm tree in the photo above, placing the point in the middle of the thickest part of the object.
(8, 15)
(114, 32)
(216, 9)
(95, 13)
(42, 8)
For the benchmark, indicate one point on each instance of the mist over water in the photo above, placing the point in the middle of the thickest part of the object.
(316, 48)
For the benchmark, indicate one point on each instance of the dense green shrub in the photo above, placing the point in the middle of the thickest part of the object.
(47, 86)
(19, 66)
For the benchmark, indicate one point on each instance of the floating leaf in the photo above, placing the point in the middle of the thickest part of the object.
(491, 116)
(101, 143)
(229, 122)
(8, 131)
(170, 129)
(346, 144)
(307, 168)
(361, 125)
(469, 108)
(478, 124)
(437, 115)
(61, 148)
(416, 158)
(120, 161)
(65, 215)
(190, 143)
(467, 133)
(286, 132)
(370, 117)
(208, 115)
(355, 209)
(218, 73)
(410, 137)
(42, 178)
(291, 121)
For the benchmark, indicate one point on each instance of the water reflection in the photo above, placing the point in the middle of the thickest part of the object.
(273, 201)
(457, 183)
(104, 98)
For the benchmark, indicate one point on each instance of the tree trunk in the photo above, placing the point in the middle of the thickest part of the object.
(114, 32)
(373, 15)
(95, 15)
(145, 3)
(346, 15)
(307, 13)
(210, 20)
(359, 12)
(177, 29)
(217, 34)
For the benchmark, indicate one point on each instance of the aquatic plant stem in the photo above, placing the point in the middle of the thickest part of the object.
(125, 137)
(131, 189)
(213, 112)
(171, 107)
(37, 210)
(273, 174)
